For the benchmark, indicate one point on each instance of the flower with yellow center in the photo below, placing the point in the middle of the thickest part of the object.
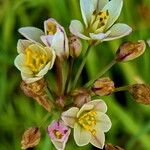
(34, 60)
(99, 17)
(54, 37)
(89, 123)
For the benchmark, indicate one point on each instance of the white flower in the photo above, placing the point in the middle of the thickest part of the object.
(34, 60)
(89, 123)
(99, 17)
(55, 36)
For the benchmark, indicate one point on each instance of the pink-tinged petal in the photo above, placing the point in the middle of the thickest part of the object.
(87, 9)
(98, 140)
(99, 105)
(103, 122)
(69, 116)
(81, 136)
(22, 45)
(31, 33)
(114, 8)
(85, 107)
(99, 36)
(76, 28)
(47, 39)
(117, 31)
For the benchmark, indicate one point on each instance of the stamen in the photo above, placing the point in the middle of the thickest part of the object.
(88, 121)
(51, 28)
(35, 60)
(57, 134)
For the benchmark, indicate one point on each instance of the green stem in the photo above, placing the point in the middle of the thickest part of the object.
(81, 67)
(123, 88)
(69, 75)
(44, 119)
(90, 83)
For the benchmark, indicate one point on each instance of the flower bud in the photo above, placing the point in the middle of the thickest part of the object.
(37, 91)
(130, 50)
(75, 46)
(30, 138)
(81, 96)
(112, 147)
(141, 93)
(103, 86)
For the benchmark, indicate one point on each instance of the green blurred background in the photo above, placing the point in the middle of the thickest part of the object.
(131, 121)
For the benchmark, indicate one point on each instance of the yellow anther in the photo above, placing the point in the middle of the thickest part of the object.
(35, 60)
(57, 134)
(88, 121)
(51, 28)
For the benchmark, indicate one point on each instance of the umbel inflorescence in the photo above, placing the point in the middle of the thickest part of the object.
(76, 108)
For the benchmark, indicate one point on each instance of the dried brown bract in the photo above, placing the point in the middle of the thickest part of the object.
(37, 91)
(30, 138)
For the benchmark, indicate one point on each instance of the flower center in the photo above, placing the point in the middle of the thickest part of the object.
(35, 60)
(99, 20)
(51, 28)
(57, 134)
(88, 121)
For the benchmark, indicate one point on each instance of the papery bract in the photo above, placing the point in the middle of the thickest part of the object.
(89, 123)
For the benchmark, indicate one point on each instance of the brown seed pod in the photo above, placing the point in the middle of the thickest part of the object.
(112, 147)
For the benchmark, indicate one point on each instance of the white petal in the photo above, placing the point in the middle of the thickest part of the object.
(99, 4)
(20, 64)
(22, 45)
(31, 33)
(59, 145)
(103, 122)
(98, 140)
(69, 116)
(77, 29)
(30, 78)
(99, 105)
(81, 136)
(60, 48)
(114, 8)
(85, 107)
(87, 9)
(117, 31)
(49, 64)
(99, 36)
